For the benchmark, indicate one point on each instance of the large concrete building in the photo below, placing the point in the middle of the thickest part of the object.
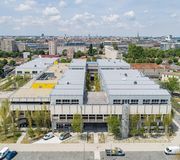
(8, 45)
(124, 91)
(35, 66)
(53, 47)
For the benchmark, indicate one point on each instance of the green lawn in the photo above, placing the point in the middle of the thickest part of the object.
(9, 138)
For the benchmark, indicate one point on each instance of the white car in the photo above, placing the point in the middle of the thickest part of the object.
(4, 152)
(172, 150)
(48, 136)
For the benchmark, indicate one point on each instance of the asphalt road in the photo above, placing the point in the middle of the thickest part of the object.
(54, 156)
(141, 156)
(90, 156)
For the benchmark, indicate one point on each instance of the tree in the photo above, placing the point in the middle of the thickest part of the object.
(46, 117)
(90, 51)
(5, 118)
(64, 52)
(37, 117)
(77, 123)
(172, 84)
(88, 81)
(12, 63)
(97, 82)
(30, 132)
(158, 61)
(170, 61)
(114, 125)
(134, 124)
(29, 118)
(115, 46)
(101, 46)
(167, 120)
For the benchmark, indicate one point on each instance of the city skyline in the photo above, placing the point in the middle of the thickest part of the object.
(83, 17)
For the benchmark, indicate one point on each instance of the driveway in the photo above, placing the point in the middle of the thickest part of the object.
(55, 139)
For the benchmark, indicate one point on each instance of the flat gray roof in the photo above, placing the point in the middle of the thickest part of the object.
(132, 87)
(72, 82)
(38, 63)
(141, 92)
(124, 82)
(78, 63)
(64, 92)
(112, 63)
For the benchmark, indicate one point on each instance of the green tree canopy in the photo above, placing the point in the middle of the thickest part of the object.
(114, 125)
(172, 84)
(77, 123)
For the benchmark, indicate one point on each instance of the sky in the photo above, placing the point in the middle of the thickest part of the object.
(94, 17)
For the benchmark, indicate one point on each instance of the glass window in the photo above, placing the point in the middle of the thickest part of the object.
(146, 101)
(134, 101)
(65, 101)
(58, 101)
(155, 101)
(116, 101)
(164, 101)
(74, 101)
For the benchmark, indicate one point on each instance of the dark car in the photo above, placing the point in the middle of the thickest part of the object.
(115, 152)
(64, 136)
(11, 155)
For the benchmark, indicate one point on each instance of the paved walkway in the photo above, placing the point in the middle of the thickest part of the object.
(21, 138)
(96, 139)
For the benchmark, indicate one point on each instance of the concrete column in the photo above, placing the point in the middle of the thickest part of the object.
(125, 121)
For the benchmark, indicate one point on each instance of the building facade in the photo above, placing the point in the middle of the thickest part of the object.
(53, 47)
(121, 87)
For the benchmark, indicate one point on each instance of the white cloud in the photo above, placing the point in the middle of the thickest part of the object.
(62, 3)
(50, 11)
(5, 19)
(78, 1)
(111, 18)
(130, 14)
(29, 21)
(173, 15)
(27, 5)
(55, 18)
(83, 17)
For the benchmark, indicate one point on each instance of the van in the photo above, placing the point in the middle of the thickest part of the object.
(4, 152)
(172, 150)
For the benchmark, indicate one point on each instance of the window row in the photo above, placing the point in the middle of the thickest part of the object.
(67, 101)
(125, 101)
(136, 101)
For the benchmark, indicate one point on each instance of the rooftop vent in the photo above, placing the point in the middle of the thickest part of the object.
(135, 82)
(125, 75)
(67, 83)
(35, 65)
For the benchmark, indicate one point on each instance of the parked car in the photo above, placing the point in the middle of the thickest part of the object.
(4, 152)
(115, 152)
(48, 136)
(64, 136)
(11, 155)
(172, 150)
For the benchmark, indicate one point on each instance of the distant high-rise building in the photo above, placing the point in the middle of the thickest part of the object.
(8, 45)
(52, 47)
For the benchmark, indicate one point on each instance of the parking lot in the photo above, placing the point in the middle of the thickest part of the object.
(54, 156)
(141, 156)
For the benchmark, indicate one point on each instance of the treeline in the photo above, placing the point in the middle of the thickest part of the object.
(3, 63)
(138, 54)
(4, 54)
